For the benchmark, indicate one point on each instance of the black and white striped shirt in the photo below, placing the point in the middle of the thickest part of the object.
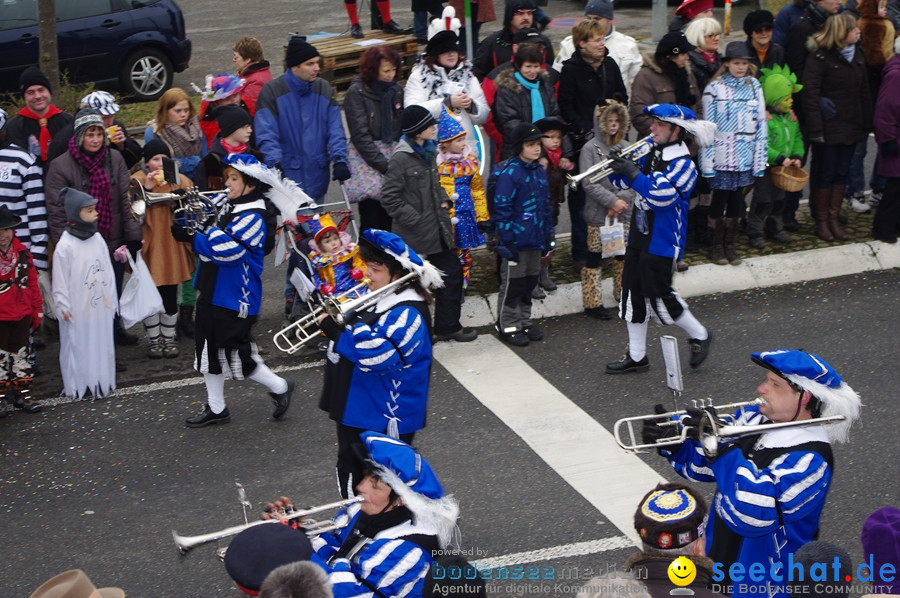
(22, 190)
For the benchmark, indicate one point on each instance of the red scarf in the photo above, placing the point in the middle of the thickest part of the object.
(233, 149)
(554, 155)
(45, 137)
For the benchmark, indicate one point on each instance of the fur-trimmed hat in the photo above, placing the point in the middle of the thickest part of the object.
(84, 120)
(258, 550)
(691, 8)
(416, 119)
(299, 51)
(670, 516)
(74, 584)
(440, 42)
(101, 101)
(811, 373)
(449, 127)
(409, 260)
(33, 76)
(704, 131)
(410, 476)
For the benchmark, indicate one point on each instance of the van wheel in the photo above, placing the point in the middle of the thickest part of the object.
(146, 75)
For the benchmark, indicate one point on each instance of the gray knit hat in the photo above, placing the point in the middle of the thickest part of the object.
(84, 120)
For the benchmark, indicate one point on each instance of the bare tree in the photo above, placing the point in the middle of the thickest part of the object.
(48, 58)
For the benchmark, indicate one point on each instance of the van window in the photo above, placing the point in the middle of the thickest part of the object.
(18, 13)
(82, 8)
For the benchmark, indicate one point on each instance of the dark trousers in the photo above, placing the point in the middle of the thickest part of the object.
(373, 215)
(448, 299)
(830, 164)
(887, 216)
(578, 224)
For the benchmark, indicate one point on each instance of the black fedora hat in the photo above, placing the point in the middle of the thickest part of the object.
(8, 219)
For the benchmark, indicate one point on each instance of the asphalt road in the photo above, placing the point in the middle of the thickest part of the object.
(100, 485)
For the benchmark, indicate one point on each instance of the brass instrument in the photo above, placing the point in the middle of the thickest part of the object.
(291, 338)
(194, 207)
(601, 170)
(186, 543)
(710, 430)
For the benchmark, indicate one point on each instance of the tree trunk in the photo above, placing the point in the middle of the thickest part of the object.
(48, 50)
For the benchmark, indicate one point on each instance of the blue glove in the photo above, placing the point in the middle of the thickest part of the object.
(340, 171)
(826, 107)
(508, 252)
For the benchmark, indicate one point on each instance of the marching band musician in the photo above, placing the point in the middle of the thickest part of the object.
(231, 248)
(771, 486)
(385, 544)
(663, 180)
(377, 369)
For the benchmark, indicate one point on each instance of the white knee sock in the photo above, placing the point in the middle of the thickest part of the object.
(263, 375)
(694, 329)
(637, 340)
(215, 392)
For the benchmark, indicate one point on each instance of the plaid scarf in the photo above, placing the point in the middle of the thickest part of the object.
(45, 136)
(186, 140)
(99, 186)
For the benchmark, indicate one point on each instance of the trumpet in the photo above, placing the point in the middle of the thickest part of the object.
(711, 429)
(185, 544)
(601, 170)
(291, 338)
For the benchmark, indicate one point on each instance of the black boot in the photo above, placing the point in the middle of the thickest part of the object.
(186, 320)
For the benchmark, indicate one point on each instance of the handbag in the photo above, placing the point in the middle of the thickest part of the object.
(140, 297)
(612, 238)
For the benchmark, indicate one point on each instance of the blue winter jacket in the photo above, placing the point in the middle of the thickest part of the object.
(298, 125)
(521, 209)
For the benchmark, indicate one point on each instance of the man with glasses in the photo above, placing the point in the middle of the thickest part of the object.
(497, 48)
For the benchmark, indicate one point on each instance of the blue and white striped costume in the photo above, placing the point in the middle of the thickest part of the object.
(395, 566)
(391, 367)
(741, 144)
(236, 250)
(761, 514)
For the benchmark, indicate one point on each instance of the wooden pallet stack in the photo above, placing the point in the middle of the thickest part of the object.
(340, 56)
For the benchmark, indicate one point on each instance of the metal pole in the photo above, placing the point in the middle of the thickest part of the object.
(467, 8)
(659, 24)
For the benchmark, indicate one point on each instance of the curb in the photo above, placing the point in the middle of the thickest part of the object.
(706, 279)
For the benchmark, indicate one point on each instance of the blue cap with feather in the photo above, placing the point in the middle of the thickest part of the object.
(397, 248)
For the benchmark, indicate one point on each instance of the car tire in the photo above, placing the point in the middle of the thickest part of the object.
(146, 74)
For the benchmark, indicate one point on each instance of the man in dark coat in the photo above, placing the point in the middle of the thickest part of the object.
(35, 125)
(496, 48)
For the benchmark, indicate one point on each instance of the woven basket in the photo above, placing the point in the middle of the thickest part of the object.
(789, 178)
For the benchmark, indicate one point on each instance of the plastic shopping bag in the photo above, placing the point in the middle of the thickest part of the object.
(612, 238)
(140, 297)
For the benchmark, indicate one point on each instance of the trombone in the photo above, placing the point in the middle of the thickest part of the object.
(711, 429)
(185, 544)
(290, 338)
(601, 170)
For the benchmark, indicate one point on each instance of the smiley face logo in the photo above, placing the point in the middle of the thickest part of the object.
(682, 571)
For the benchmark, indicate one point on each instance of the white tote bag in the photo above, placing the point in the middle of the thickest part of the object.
(140, 297)
(612, 237)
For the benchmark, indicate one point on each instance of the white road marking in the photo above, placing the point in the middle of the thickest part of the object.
(578, 448)
(554, 552)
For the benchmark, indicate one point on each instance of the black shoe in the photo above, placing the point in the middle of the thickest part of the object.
(699, 349)
(534, 333)
(4, 408)
(207, 417)
(682, 266)
(791, 226)
(121, 366)
(599, 313)
(627, 364)
(392, 27)
(516, 339)
(463, 335)
(282, 401)
(27, 405)
(356, 31)
(123, 337)
(884, 238)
